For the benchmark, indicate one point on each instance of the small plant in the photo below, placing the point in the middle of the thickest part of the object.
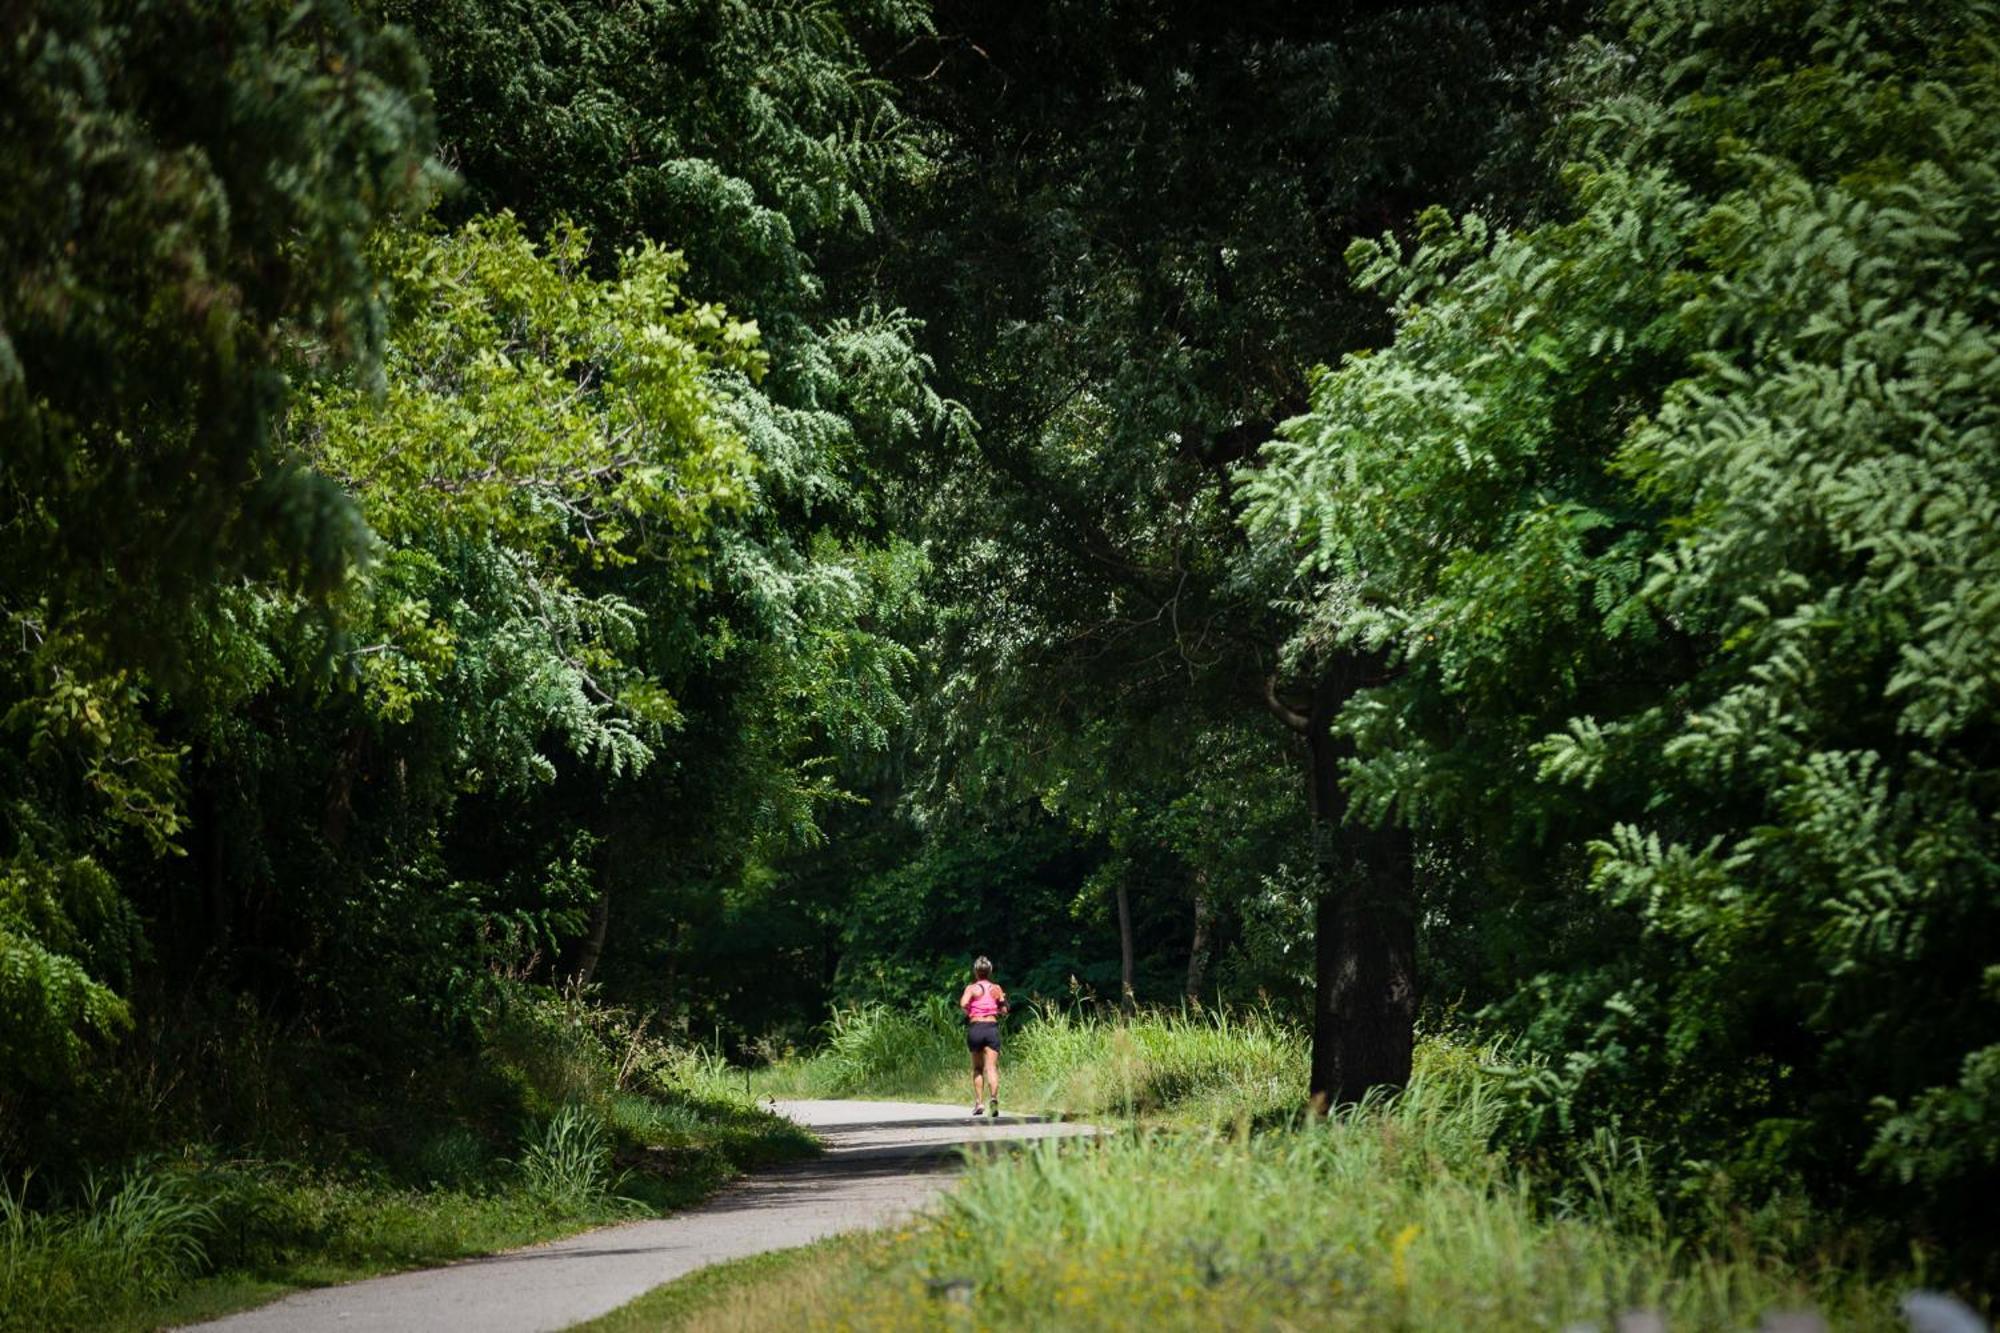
(567, 1169)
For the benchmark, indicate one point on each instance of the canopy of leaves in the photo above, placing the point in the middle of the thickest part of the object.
(1679, 515)
(1121, 260)
(185, 193)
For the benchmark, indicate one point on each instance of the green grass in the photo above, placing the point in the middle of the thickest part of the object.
(1372, 1223)
(737, 1294)
(147, 1253)
(1217, 1203)
(360, 1231)
(1212, 1066)
(877, 1051)
(597, 1123)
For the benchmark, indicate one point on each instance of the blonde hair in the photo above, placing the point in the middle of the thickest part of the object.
(982, 968)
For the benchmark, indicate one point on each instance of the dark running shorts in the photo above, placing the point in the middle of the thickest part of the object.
(983, 1036)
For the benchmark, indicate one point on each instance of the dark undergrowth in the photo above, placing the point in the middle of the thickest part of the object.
(563, 1115)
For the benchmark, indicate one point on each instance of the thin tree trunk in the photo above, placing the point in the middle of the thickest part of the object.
(670, 992)
(1127, 1001)
(339, 810)
(592, 947)
(1198, 948)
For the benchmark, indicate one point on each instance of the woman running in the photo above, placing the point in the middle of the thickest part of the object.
(984, 1003)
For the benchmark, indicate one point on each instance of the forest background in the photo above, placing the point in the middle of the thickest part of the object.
(1393, 514)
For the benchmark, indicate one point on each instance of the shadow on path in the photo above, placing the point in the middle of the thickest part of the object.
(884, 1161)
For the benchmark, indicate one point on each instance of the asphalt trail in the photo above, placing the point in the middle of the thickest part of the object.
(884, 1161)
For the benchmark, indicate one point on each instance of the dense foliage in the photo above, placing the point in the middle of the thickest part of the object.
(728, 506)
(1677, 516)
(167, 248)
(461, 574)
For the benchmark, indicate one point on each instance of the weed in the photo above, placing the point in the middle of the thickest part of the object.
(567, 1167)
(124, 1245)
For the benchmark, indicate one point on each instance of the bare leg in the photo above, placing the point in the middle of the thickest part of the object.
(978, 1091)
(992, 1072)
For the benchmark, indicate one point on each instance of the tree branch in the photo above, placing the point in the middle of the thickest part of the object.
(1284, 712)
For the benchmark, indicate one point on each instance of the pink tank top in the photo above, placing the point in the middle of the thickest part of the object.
(983, 1007)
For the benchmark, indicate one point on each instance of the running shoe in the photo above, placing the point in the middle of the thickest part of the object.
(977, 1109)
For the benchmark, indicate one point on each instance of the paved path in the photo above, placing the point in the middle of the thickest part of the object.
(884, 1160)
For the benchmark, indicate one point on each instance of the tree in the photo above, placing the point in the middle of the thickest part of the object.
(159, 243)
(755, 139)
(1121, 263)
(1676, 515)
(539, 430)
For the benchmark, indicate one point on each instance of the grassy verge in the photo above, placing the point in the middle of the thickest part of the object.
(360, 1231)
(1352, 1226)
(1218, 1205)
(741, 1294)
(592, 1124)
(1211, 1067)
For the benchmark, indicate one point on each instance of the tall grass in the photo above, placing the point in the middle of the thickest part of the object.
(124, 1246)
(1394, 1215)
(568, 1108)
(1367, 1223)
(877, 1050)
(567, 1168)
(1220, 1203)
(1207, 1065)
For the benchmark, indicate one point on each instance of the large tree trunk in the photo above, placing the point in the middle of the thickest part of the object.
(1127, 1001)
(1365, 926)
(1204, 917)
